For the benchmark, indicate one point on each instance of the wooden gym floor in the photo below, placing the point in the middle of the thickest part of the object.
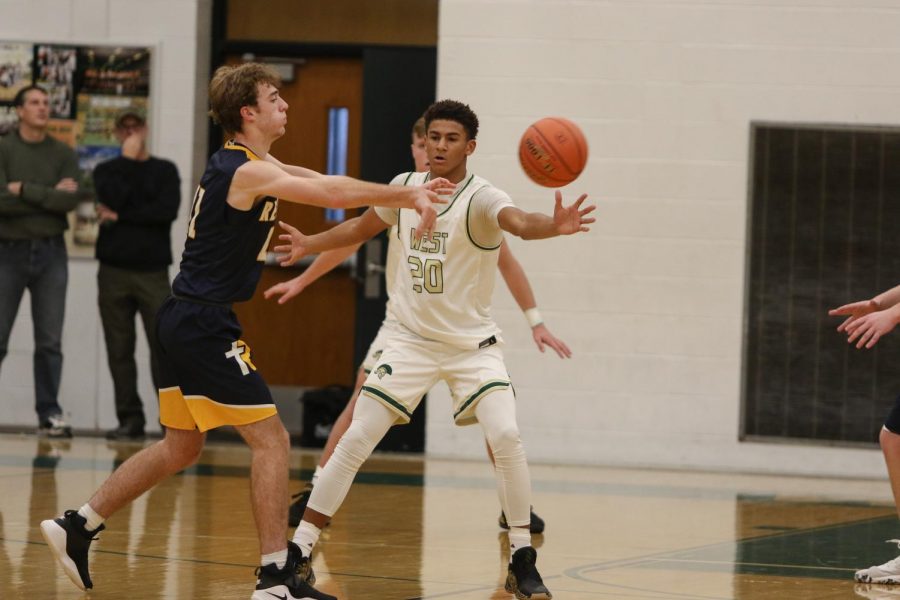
(427, 529)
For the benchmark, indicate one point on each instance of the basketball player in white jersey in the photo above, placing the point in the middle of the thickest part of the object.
(441, 328)
(513, 275)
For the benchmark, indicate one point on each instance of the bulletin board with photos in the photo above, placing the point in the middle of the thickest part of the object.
(88, 87)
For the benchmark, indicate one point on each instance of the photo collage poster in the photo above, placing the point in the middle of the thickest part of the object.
(88, 86)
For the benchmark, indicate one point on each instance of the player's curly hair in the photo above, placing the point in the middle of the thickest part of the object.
(233, 87)
(451, 110)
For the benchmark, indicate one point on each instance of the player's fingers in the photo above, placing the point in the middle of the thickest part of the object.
(843, 326)
(588, 219)
(558, 199)
(274, 290)
(556, 345)
(588, 209)
(287, 296)
(852, 324)
(288, 227)
(855, 334)
(864, 338)
(874, 339)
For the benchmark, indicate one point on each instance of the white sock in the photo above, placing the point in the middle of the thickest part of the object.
(93, 519)
(315, 476)
(519, 537)
(306, 537)
(279, 558)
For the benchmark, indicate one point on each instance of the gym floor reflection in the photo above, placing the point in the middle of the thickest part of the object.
(413, 528)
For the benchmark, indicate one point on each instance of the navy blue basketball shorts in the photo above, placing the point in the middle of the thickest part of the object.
(207, 378)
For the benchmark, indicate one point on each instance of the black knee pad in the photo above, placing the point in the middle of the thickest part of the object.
(892, 422)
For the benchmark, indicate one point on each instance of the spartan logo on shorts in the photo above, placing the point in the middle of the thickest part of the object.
(240, 352)
(383, 370)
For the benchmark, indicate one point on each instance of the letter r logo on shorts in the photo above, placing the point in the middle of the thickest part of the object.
(240, 352)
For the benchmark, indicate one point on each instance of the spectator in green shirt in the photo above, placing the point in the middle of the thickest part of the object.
(38, 186)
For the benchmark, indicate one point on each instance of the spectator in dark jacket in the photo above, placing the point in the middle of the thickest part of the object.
(137, 200)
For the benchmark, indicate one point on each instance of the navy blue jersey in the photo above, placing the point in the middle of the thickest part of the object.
(226, 248)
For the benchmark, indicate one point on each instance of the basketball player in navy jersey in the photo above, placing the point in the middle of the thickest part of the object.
(207, 376)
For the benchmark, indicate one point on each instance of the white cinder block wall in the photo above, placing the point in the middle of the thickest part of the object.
(178, 30)
(652, 300)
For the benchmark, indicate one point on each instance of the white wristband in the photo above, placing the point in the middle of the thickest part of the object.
(533, 316)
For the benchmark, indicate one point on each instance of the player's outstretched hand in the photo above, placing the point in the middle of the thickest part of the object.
(572, 219)
(295, 249)
(440, 186)
(853, 311)
(427, 213)
(868, 329)
(285, 290)
(543, 337)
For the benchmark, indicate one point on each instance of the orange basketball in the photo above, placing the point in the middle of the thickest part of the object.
(553, 152)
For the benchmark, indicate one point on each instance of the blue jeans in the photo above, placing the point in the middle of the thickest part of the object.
(42, 266)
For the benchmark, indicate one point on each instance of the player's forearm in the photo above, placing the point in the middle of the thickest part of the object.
(349, 233)
(888, 298)
(516, 280)
(530, 226)
(326, 262)
(353, 193)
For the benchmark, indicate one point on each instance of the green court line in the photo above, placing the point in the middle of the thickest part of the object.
(831, 551)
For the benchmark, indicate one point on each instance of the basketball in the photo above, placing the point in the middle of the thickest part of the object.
(553, 152)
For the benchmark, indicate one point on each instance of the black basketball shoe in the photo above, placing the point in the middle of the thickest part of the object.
(293, 582)
(536, 525)
(69, 541)
(298, 505)
(523, 579)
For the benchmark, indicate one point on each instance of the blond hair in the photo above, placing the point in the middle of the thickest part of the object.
(232, 88)
(418, 129)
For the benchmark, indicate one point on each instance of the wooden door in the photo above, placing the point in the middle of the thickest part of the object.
(309, 340)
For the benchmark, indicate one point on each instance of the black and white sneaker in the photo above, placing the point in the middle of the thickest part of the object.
(298, 505)
(523, 579)
(536, 525)
(54, 426)
(293, 582)
(69, 541)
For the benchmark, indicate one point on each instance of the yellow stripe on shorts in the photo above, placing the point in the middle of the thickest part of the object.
(173, 410)
(209, 414)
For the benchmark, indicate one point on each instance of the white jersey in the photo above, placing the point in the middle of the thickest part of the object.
(442, 284)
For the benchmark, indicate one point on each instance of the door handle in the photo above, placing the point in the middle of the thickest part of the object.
(374, 270)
